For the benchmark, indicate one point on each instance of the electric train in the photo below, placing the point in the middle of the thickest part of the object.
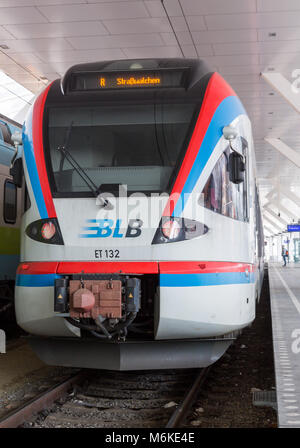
(142, 244)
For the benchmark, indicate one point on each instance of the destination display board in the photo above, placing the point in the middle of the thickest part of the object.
(126, 80)
(293, 228)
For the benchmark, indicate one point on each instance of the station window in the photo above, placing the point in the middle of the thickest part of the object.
(221, 195)
(10, 202)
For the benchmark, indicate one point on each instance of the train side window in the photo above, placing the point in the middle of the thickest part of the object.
(10, 202)
(222, 196)
(259, 227)
(27, 202)
(6, 133)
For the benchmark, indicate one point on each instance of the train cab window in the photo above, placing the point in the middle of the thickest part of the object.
(10, 202)
(139, 145)
(222, 196)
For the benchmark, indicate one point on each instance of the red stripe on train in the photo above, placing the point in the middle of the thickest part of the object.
(37, 138)
(132, 267)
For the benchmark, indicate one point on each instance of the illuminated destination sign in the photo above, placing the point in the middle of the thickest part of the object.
(293, 228)
(126, 80)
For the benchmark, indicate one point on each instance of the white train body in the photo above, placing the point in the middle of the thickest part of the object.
(199, 287)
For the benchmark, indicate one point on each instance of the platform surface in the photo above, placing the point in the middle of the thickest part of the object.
(285, 306)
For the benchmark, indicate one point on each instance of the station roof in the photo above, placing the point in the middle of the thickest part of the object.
(15, 99)
(41, 39)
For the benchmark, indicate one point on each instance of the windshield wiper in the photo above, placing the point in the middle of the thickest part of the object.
(80, 171)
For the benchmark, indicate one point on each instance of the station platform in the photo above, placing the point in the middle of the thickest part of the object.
(285, 307)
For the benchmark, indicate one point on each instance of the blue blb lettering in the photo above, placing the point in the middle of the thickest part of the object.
(117, 234)
(103, 230)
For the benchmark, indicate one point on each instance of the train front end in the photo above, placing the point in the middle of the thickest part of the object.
(124, 261)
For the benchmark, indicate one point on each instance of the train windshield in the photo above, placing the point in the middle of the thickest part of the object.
(139, 145)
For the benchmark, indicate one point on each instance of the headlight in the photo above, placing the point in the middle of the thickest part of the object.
(45, 231)
(172, 230)
(48, 230)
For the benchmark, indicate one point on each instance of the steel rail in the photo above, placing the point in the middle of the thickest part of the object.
(179, 415)
(19, 416)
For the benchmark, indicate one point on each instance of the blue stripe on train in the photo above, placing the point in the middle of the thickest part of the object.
(167, 280)
(226, 112)
(32, 167)
(36, 280)
(211, 279)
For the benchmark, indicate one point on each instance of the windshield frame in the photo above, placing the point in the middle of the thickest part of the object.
(89, 194)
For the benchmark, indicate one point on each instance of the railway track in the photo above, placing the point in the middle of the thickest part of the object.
(105, 399)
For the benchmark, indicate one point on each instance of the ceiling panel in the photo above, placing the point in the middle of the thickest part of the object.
(195, 23)
(232, 36)
(192, 7)
(189, 51)
(23, 58)
(173, 7)
(155, 8)
(230, 21)
(280, 33)
(74, 56)
(148, 52)
(19, 15)
(32, 45)
(104, 11)
(55, 30)
(204, 50)
(121, 40)
(4, 34)
(168, 38)
(20, 3)
(140, 26)
(278, 5)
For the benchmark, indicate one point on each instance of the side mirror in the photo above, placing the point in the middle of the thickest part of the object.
(16, 171)
(16, 138)
(236, 167)
(229, 132)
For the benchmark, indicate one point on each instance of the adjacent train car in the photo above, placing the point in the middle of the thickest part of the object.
(141, 247)
(10, 214)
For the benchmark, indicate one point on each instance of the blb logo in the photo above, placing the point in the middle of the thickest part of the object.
(104, 228)
(2, 341)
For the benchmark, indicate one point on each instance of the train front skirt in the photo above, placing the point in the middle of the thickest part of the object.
(130, 355)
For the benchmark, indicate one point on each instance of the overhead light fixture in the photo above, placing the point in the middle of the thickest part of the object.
(4, 47)
(135, 66)
(272, 34)
(271, 69)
